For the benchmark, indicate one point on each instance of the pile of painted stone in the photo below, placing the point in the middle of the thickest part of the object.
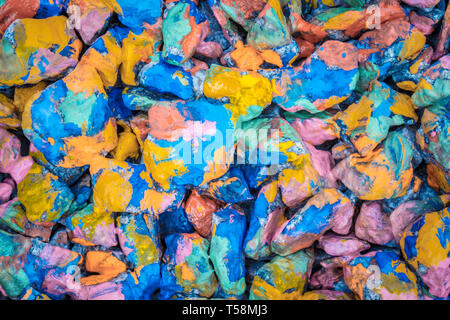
(247, 149)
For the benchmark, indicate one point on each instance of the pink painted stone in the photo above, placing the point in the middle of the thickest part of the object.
(442, 47)
(5, 192)
(272, 229)
(209, 49)
(422, 23)
(57, 256)
(10, 159)
(422, 3)
(401, 218)
(342, 245)
(445, 61)
(373, 224)
(342, 219)
(91, 23)
(60, 284)
(103, 291)
(314, 131)
(326, 277)
(323, 163)
(437, 278)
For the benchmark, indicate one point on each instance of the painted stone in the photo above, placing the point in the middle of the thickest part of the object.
(381, 275)
(283, 278)
(425, 247)
(329, 209)
(224, 149)
(226, 249)
(192, 145)
(186, 268)
(387, 171)
(27, 57)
